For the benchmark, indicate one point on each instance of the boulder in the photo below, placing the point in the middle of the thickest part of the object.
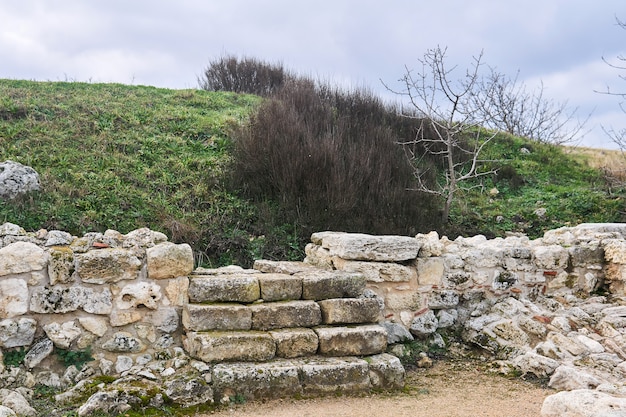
(17, 179)
(583, 403)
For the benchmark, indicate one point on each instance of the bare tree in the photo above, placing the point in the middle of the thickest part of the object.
(451, 125)
(617, 136)
(508, 105)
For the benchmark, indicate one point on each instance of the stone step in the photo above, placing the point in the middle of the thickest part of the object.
(308, 376)
(349, 310)
(284, 314)
(246, 287)
(251, 346)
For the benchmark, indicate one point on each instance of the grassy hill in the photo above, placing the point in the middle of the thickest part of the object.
(122, 157)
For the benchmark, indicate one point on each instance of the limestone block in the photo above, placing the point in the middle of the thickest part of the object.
(17, 179)
(551, 257)
(447, 318)
(95, 325)
(18, 403)
(278, 287)
(281, 267)
(458, 280)
(430, 244)
(38, 352)
(237, 288)
(169, 260)
(424, 324)
(321, 285)
(123, 342)
(586, 254)
(509, 333)
(378, 271)
(583, 402)
(567, 378)
(58, 238)
(143, 238)
(97, 302)
(361, 340)
(224, 316)
(281, 314)
(443, 299)
(21, 257)
(165, 319)
(615, 251)
(386, 371)
(396, 333)
(189, 390)
(532, 363)
(318, 256)
(295, 342)
(13, 297)
(14, 333)
(176, 291)
(60, 265)
(103, 266)
(148, 331)
(430, 271)
(277, 379)
(119, 318)
(139, 294)
(403, 300)
(349, 310)
(62, 335)
(357, 246)
(6, 412)
(230, 346)
(565, 343)
(331, 375)
(57, 299)
(10, 229)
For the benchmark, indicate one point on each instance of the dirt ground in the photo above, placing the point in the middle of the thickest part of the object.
(448, 389)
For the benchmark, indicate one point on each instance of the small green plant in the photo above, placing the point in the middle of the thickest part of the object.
(74, 357)
(14, 358)
(237, 399)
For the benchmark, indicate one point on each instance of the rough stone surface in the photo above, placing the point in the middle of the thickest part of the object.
(349, 310)
(257, 380)
(386, 372)
(230, 346)
(107, 266)
(20, 257)
(583, 403)
(169, 260)
(377, 271)
(424, 324)
(323, 376)
(17, 179)
(322, 285)
(356, 246)
(279, 287)
(282, 314)
(351, 341)
(223, 316)
(13, 297)
(241, 288)
(294, 343)
(17, 332)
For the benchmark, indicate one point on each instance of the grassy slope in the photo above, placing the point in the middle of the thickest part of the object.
(123, 157)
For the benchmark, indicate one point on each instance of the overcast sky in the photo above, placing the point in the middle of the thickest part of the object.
(349, 42)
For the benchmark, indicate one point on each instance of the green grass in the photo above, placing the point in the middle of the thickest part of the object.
(121, 157)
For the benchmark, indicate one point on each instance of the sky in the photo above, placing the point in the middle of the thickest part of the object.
(353, 43)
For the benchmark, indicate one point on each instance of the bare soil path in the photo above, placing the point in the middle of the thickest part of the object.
(448, 389)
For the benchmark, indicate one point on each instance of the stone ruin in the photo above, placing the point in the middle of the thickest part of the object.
(152, 329)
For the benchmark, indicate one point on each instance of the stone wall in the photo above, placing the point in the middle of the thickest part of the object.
(111, 293)
(551, 307)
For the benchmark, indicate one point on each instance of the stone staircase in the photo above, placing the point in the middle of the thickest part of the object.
(287, 329)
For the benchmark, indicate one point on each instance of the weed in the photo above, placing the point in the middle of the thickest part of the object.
(14, 357)
(74, 357)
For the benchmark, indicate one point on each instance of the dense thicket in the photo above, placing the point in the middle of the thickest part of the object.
(324, 157)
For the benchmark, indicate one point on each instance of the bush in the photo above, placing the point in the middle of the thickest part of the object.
(330, 159)
(245, 75)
